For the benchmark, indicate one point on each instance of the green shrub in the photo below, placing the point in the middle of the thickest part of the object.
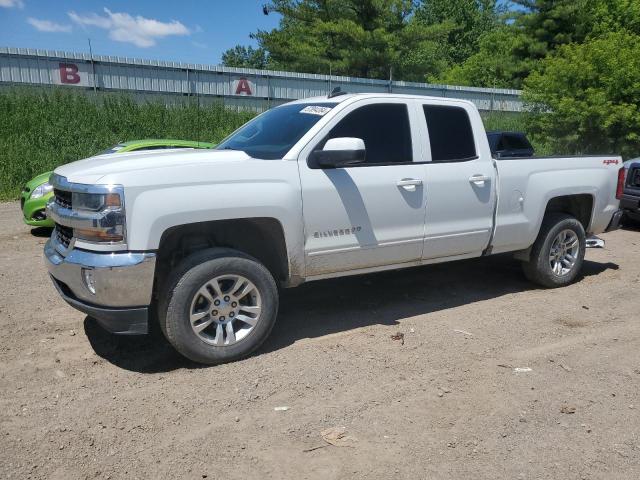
(588, 97)
(41, 129)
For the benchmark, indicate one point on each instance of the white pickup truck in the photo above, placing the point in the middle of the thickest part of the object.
(313, 189)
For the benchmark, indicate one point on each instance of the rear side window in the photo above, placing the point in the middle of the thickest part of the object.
(515, 142)
(450, 133)
(383, 127)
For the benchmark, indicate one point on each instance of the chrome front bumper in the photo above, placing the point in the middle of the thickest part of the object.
(123, 284)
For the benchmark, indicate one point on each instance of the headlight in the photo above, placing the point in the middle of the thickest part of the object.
(41, 190)
(106, 211)
(95, 213)
(95, 202)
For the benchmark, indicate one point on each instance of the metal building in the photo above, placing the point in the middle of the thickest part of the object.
(243, 88)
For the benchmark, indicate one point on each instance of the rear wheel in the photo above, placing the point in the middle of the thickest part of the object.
(220, 305)
(558, 252)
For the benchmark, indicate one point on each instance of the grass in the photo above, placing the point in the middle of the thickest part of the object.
(40, 130)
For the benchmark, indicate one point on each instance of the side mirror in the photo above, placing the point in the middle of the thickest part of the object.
(339, 152)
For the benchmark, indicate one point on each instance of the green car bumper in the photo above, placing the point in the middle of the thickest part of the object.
(34, 209)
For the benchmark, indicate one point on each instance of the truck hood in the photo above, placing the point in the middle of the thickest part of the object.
(91, 170)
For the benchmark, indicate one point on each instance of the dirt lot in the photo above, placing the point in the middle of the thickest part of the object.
(445, 403)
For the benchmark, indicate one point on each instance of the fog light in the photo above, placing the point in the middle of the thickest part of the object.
(89, 280)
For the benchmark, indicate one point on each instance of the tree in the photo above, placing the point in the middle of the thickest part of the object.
(495, 64)
(506, 56)
(364, 38)
(247, 57)
(587, 96)
(549, 24)
(468, 20)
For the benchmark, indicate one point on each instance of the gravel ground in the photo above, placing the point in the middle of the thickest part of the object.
(447, 400)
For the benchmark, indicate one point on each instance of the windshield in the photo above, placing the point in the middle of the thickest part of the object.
(271, 135)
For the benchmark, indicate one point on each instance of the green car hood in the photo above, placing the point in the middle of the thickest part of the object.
(160, 142)
(39, 180)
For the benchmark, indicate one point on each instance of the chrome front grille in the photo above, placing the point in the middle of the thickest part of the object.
(62, 198)
(63, 235)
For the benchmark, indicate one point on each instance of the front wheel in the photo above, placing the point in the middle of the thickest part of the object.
(558, 252)
(220, 306)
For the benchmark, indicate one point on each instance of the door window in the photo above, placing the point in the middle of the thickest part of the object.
(450, 134)
(385, 130)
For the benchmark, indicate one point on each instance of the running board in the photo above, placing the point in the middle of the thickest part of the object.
(594, 242)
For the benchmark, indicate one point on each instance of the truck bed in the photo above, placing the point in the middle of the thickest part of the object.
(526, 185)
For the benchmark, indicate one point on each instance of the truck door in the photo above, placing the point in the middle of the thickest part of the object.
(460, 182)
(371, 214)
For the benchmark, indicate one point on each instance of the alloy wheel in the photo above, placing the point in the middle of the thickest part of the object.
(225, 310)
(564, 252)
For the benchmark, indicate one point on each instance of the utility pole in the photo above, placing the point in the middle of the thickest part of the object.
(93, 66)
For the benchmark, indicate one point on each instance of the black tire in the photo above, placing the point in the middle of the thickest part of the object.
(538, 268)
(183, 284)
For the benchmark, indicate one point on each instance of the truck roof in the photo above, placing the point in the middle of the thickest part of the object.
(349, 96)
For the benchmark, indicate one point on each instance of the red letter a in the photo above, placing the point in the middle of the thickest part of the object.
(243, 86)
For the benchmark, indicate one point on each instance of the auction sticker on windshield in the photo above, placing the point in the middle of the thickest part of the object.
(315, 110)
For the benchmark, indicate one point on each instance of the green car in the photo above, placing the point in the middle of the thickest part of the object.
(37, 192)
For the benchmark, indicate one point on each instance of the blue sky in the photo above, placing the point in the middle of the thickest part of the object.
(187, 31)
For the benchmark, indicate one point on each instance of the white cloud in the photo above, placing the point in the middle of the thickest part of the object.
(12, 3)
(48, 26)
(142, 32)
(92, 19)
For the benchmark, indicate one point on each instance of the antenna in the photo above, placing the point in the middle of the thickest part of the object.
(336, 92)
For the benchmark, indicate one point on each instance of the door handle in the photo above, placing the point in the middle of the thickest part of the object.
(409, 184)
(479, 179)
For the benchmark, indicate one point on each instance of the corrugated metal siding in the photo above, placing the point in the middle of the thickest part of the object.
(170, 80)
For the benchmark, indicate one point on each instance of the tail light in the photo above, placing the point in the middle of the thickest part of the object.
(620, 187)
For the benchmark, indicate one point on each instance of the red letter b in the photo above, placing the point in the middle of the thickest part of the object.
(69, 73)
